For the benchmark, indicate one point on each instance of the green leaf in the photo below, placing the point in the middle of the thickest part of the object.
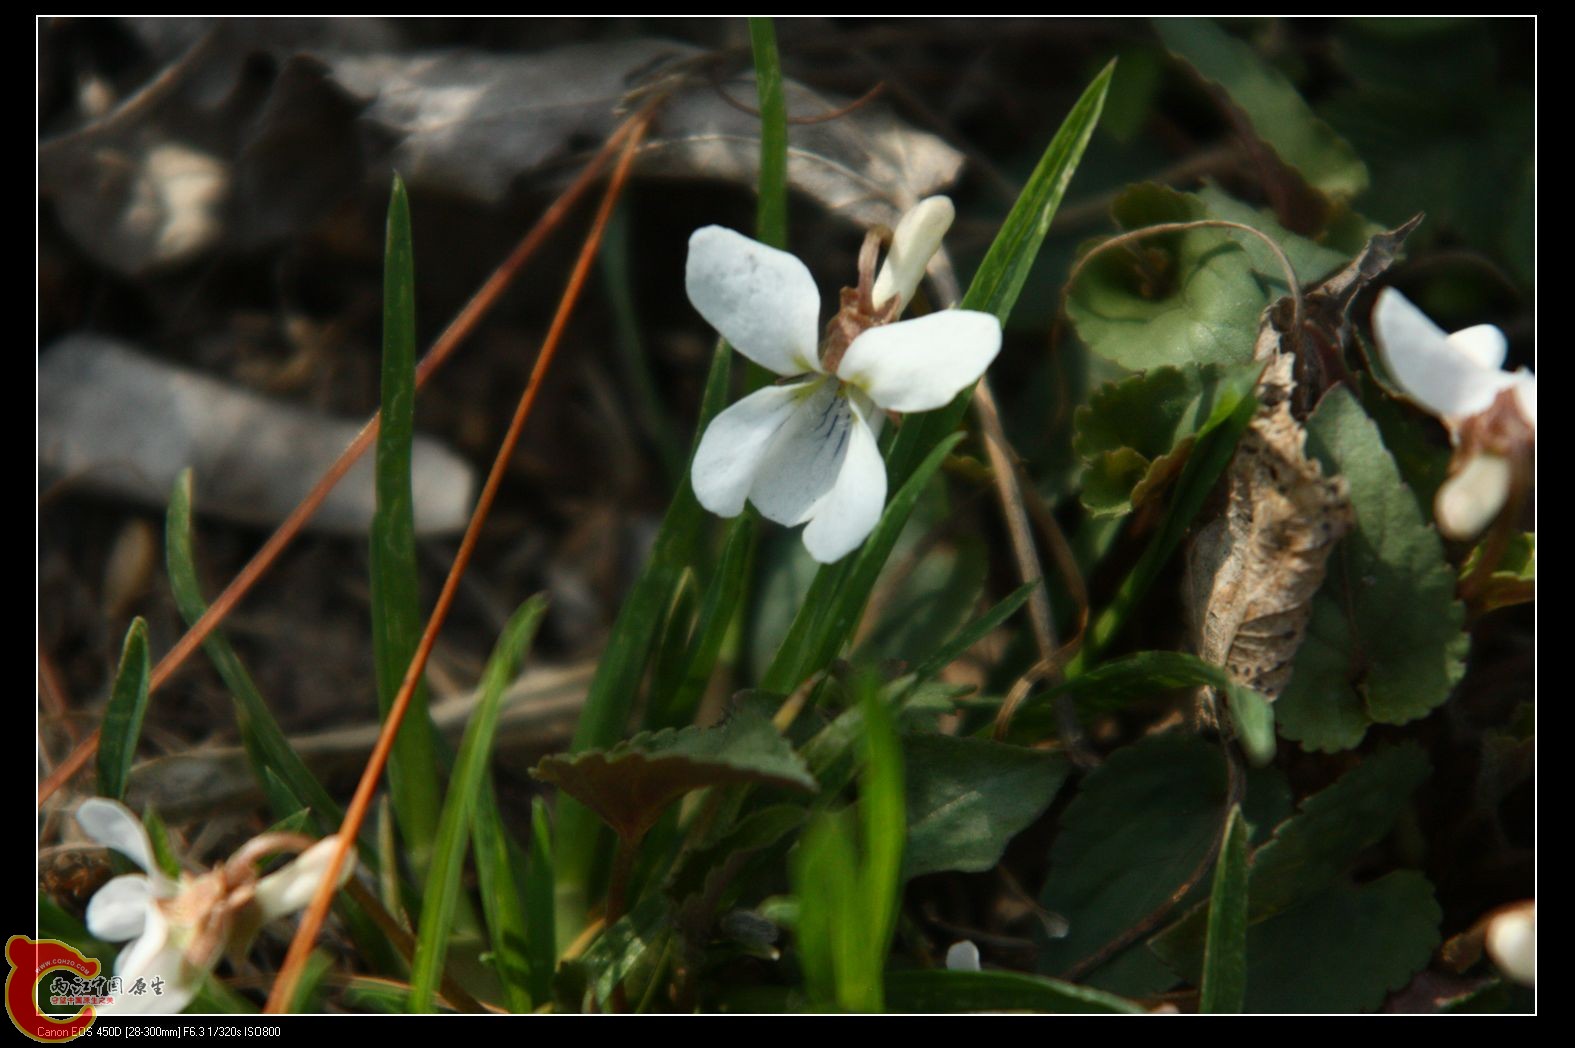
(1214, 446)
(395, 581)
(122, 725)
(1134, 435)
(1277, 112)
(1137, 830)
(966, 798)
(759, 829)
(159, 837)
(848, 895)
(1225, 953)
(1314, 848)
(1385, 643)
(459, 807)
(771, 216)
(837, 597)
(273, 760)
(501, 874)
(631, 784)
(939, 991)
(1142, 675)
(1183, 298)
(611, 695)
(618, 951)
(974, 632)
(1002, 273)
(1344, 949)
(1514, 580)
(541, 940)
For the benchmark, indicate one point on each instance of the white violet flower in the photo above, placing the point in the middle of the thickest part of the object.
(1511, 940)
(803, 450)
(1491, 413)
(180, 929)
(962, 956)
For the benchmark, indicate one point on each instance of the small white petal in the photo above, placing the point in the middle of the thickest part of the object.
(763, 301)
(291, 887)
(1512, 943)
(913, 243)
(849, 512)
(115, 826)
(1468, 501)
(1484, 344)
(137, 959)
(119, 909)
(805, 458)
(920, 365)
(963, 957)
(734, 443)
(1446, 379)
(1526, 395)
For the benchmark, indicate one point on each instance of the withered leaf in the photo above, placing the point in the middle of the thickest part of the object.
(631, 784)
(1252, 573)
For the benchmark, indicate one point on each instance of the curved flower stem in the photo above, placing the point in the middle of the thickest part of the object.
(1298, 307)
(355, 813)
(453, 336)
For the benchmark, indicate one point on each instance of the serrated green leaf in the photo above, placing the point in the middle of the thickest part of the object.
(966, 798)
(122, 724)
(1315, 847)
(1385, 643)
(938, 990)
(1138, 829)
(1134, 435)
(631, 784)
(1225, 950)
(1344, 949)
(1277, 112)
(459, 806)
(1191, 297)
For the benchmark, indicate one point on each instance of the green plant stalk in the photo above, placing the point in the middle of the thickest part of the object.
(470, 769)
(414, 771)
(128, 703)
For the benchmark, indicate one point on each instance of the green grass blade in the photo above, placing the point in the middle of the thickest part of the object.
(771, 213)
(269, 752)
(413, 770)
(122, 726)
(1225, 955)
(974, 632)
(541, 946)
(470, 768)
(500, 873)
(882, 812)
(837, 597)
(1001, 275)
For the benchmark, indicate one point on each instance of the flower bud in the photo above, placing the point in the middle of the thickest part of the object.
(917, 238)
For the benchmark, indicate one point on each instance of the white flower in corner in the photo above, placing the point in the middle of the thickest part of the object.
(803, 451)
(180, 929)
(1491, 413)
(962, 956)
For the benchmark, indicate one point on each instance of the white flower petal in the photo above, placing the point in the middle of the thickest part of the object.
(119, 909)
(913, 243)
(1512, 943)
(1484, 344)
(763, 301)
(292, 886)
(734, 443)
(115, 826)
(1468, 501)
(962, 957)
(157, 954)
(920, 365)
(804, 459)
(1443, 377)
(844, 518)
(1526, 395)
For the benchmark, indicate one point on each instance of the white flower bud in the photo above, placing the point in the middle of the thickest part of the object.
(1512, 942)
(1469, 501)
(913, 244)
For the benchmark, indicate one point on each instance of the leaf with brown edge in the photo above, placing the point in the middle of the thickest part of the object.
(629, 785)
